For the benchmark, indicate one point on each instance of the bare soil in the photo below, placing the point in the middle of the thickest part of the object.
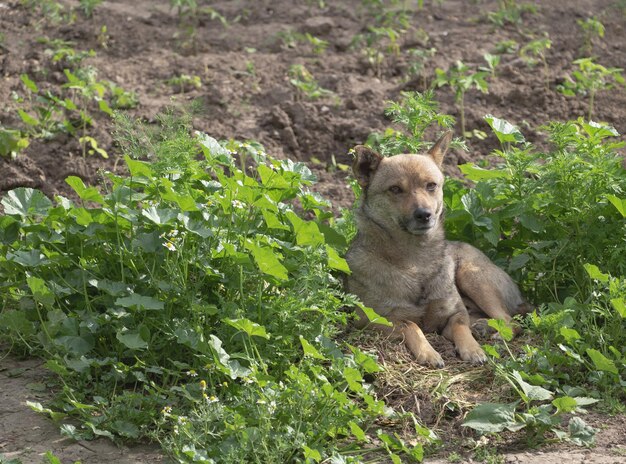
(246, 94)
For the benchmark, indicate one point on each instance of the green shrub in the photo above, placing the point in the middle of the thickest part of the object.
(191, 303)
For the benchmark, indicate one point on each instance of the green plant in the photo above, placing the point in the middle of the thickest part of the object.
(507, 46)
(50, 111)
(89, 6)
(534, 50)
(189, 14)
(461, 79)
(379, 44)
(394, 14)
(591, 28)
(51, 11)
(589, 79)
(85, 89)
(63, 54)
(510, 11)
(415, 112)
(185, 82)
(302, 79)
(120, 98)
(103, 37)
(531, 215)
(192, 303)
(290, 39)
(492, 63)
(536, 409)
(12, 142)
(417, 59)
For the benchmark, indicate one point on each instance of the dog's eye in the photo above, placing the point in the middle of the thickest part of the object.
(431, 186)
(395, 189)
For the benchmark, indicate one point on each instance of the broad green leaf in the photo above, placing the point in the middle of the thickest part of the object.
(37, 407)
(533, 392)
(27, 118)
(229, 366)
(272, 178)
(373, 317)
(140, 302)
(30, 85)
(620, 306)
(76, 345)
(138, 168)
(357, 432)
(85, 193)
(132, 339)
(198, 227)
(365, 361)
(311, 453)
(504, 329)
(110, 287)
(213, 150)
(310, 350)
(159, 215)
(273, 221)
(619, 204)
(267, 260)
(51, 458)
(41, 293)
(491, 417)
(601, 362)
(354, 379)
(30, 258)
(504, 130)
(12, 142)
(335, 261)
(595, 273)
(532, 222)
(16, 321)
(104, 107)
(518, 262)
(475, 173)
(26, 202)
(565, 404)
(307, 232)
(491, 351)
(570, 335)
(248, 326)
(580, 433)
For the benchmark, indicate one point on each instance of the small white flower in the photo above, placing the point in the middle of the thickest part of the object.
(237, 204)
(192, 373)
(170, 246)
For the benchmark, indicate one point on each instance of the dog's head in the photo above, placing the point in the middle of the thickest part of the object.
(403, 191)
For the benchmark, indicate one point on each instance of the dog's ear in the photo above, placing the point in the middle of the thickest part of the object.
(440, 148)
(365, 163)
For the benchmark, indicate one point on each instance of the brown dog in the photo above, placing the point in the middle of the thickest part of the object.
(405, 270)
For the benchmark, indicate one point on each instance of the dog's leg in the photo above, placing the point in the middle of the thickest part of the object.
(458, 331)
(417, 344)
(485, 298)
(414, 339)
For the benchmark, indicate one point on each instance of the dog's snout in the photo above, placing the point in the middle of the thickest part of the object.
(422, 215)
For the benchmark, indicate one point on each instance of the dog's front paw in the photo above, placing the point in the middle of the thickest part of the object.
(473, 354)
(430, 358)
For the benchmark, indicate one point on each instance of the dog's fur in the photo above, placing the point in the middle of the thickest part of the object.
(405, 270)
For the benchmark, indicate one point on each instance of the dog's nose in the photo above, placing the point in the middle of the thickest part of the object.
(422, 215)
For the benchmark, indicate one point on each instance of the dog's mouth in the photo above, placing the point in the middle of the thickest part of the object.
(414, 227)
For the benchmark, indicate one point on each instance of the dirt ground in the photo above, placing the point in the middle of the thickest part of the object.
(245, 93)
